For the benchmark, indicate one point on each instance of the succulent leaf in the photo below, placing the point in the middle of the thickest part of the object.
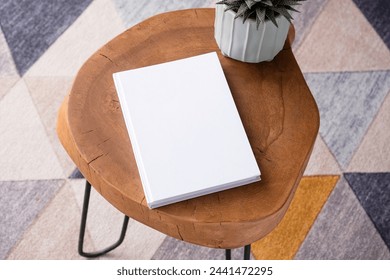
(282, 11)
(271, 16)
(266, 2)
(241, 10)
(292, 9)
(262, 10)
(260, 17)
(250, 3)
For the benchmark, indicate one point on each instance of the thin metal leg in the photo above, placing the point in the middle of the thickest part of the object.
(83, 226)
(228, 254)
(247, 252)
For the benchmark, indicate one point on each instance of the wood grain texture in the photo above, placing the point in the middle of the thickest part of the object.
(277, 109)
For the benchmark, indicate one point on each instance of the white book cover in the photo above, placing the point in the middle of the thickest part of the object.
(185, 130)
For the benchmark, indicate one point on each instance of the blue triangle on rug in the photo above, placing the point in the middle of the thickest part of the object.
(373, 193)
(377, 13)
(20, 204)
(348, 103)
(31, 27)
(76, 174)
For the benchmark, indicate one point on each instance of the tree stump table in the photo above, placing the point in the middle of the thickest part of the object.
(276, 107)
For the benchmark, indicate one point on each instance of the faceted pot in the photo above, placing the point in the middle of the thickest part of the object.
(244, 41)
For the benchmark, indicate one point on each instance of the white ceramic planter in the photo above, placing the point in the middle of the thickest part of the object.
(243, 41)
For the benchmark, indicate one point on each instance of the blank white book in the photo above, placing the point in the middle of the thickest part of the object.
(185, 130)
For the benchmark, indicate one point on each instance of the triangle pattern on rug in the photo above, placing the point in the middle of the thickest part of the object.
(373, 153)
(47, 94)
(25, 150)
(174, 249)
(284, 241)
(373, 193)
(308, 14)
(8, 73)
(7, 65)
(377, 12)
(76, 174)
(132, 14)
(53, 235)
(341, 39)
(322, 161)
(348, 102)
(343, 231)
(95, 27)
(30, 27)
(20, 203)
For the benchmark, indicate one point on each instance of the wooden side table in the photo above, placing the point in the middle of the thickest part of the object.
(277, 109)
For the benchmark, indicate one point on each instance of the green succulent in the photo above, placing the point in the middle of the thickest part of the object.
(261, 10)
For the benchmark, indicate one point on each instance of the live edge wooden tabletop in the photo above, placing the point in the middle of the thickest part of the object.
(278, 112)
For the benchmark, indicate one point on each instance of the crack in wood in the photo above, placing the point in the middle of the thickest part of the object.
(104, 141)
(219, 244)
(178, 231)
(107, 58)
(99, 156)
(283, 115)
(264, 154)
(88, 131)
(196, 13)
(141, 206)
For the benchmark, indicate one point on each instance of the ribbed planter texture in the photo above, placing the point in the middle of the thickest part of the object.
(246, 42)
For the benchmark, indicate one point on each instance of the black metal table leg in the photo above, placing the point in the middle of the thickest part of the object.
(228, 254)
(247, 252)
(84, 214)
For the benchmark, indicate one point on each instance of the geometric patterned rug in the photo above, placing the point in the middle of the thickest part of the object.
(341, 209)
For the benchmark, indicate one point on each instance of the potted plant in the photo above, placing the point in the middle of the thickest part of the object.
(261, 32)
